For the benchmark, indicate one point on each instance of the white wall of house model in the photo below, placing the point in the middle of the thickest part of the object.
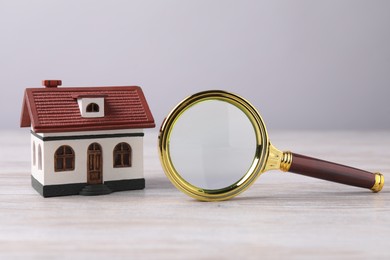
(43, 163)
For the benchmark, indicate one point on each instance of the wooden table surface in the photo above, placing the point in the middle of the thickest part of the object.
(282, 216)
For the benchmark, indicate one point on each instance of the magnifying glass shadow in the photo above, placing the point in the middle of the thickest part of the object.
(274, 195)
(160, 183)
(313, 198)
(308, 195)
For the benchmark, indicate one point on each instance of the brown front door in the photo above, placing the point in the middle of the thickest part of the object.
(95, 172)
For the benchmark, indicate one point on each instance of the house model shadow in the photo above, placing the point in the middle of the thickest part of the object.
(87, 140)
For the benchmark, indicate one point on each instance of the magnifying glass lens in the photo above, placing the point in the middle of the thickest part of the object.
(212, 144)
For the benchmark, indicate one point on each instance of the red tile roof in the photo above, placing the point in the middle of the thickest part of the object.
(56, 109)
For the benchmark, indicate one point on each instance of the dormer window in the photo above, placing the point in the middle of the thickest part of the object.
(91, 105)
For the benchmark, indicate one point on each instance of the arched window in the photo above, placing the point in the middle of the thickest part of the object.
(34, 154)
(64, 159)
(93, 107)
(39, 157)
(122, 155)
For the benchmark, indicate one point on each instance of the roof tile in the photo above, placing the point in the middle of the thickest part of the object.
(57, 110)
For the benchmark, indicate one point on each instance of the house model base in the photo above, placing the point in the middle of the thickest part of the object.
(86, 189)
(86, 141)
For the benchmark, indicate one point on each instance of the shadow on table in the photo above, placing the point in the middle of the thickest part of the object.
(318, 199)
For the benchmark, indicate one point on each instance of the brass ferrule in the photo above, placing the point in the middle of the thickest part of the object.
(278, 160)
(286, 161)
(379, 182)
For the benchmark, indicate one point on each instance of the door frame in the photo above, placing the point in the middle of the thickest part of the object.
(94, 164)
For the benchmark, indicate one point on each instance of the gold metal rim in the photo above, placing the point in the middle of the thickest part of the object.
(379, 182)
(256, 168)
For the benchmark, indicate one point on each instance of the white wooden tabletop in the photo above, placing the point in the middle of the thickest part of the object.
(282, 216)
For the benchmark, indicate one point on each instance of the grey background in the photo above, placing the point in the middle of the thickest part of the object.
(303, 64)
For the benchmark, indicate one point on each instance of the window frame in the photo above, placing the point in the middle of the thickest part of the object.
(92, 108)
(123, 153)
(64, 156)
(34, 154)
(39, 157)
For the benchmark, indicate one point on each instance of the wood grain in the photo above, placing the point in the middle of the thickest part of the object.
(282, 216)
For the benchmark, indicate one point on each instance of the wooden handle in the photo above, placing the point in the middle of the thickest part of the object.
(335, 172)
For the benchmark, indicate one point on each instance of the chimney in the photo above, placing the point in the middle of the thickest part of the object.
(51, 83)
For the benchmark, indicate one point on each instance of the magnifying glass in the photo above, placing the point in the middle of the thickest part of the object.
(214, 144)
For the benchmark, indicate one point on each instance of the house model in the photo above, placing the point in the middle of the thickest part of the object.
(87, 140)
